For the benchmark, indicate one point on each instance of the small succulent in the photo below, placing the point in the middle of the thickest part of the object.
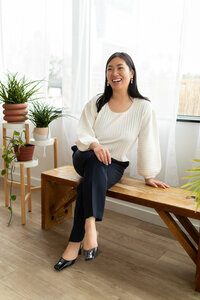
(42, 114)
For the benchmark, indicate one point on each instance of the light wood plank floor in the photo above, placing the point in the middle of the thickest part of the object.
(137, 261)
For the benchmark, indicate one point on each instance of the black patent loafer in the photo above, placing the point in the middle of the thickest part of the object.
(91, 254)
(63, 263)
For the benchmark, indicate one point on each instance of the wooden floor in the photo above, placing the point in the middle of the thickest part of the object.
(137, 261)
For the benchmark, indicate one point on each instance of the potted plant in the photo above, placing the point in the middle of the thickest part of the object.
(194, 185)
(41, 115)
(16, 149)
(15, 94)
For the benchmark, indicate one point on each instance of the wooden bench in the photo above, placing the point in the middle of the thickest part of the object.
(173, 205)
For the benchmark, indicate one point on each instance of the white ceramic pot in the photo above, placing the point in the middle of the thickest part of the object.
(41, 134)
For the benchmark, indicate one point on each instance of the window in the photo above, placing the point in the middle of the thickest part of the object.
(189, 96)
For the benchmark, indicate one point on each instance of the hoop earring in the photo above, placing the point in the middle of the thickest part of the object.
(107, 83)
(131, 80)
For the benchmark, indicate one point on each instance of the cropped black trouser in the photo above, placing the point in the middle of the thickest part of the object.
(96, 179)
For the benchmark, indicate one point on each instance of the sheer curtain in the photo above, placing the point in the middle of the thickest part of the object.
(152, 33)
(81, 27)
(83, 34)
(1, 60)
(25, 40)
(31, 41)
(1, 42)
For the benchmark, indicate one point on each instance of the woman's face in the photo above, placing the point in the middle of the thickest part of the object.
(119, 74)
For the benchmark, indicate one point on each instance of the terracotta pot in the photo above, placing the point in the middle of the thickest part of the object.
(15, 112)
(41, 134)
(25, 153)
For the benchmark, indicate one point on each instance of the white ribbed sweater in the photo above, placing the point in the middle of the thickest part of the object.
(118, 132)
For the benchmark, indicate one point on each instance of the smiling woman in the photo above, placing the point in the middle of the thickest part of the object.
(104, 139)
(119, 74)
(120, 77)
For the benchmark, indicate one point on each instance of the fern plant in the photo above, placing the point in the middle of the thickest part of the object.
(194, 185)
(16, 91)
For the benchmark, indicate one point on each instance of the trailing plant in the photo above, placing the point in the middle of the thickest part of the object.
(9, 155)
(42, 114)
(194, 185)
(16, 91)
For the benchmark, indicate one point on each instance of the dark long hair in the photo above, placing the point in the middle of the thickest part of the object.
(132, 88)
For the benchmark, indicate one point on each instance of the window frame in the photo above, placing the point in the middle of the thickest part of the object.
(185, 118)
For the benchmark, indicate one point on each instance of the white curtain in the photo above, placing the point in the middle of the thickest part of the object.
(1, 60)
(84, 34)
(1, 42)
(81, 26)
(31, 34)
(25, 38)
(152, 33)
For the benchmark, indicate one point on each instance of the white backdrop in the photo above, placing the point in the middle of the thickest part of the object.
(154, 40)
(83, 34)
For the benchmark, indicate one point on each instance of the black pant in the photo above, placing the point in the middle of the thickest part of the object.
(96, 179)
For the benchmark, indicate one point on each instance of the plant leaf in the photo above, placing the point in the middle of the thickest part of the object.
(196, 180)
(194, 170)
(3, 172)
(191, 176)
(16, 133)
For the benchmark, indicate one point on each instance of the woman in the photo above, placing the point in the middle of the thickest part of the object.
(109, 127)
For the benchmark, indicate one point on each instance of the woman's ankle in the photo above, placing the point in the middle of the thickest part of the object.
(71, 251)
(90, 223)
(90, 239)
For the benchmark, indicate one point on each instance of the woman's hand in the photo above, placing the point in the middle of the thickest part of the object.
(156, 183)
(101, 153)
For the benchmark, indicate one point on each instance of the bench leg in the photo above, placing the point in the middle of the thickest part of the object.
(179, 234)
(56, 202)
(197, 282)
(191, 250)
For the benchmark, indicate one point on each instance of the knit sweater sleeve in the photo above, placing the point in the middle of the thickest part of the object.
(85, 132)
(148, 158)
